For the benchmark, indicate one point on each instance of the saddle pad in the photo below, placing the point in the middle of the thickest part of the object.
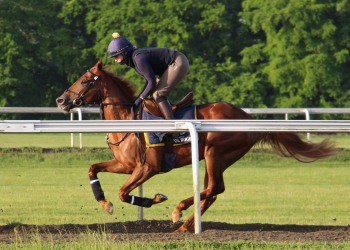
(155, 139)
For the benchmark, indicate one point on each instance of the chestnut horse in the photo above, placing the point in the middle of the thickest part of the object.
(219, 150)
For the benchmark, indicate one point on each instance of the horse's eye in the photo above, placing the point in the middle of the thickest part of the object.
(84, 82)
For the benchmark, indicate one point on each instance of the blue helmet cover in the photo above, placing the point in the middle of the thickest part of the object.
(118, 46)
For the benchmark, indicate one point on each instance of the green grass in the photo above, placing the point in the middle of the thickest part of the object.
(42, 188)
(52, 140)
(261, 188)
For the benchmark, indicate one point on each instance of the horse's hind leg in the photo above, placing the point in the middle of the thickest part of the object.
(213, 183)
(217, 160)
(207, 197)
(205, 204)
(185, 204)
(112, 166)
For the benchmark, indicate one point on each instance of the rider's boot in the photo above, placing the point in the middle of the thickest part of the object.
(167, 112)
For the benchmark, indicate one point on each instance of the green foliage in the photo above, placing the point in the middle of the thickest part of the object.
(26, 72)
(305, 52)
(38, 53)
(205, 31)
(73, 53)
(250, 53)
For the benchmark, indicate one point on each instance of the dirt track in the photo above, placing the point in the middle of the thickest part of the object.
(162, 231)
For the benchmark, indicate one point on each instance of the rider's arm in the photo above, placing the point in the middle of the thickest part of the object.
(144, 68)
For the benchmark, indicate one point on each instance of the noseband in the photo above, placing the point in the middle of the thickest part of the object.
(77, 102)
(80, 99)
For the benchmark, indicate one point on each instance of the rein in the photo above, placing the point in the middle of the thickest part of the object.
(80, 101)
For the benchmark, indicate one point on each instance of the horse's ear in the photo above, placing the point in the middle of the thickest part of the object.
(99, 65)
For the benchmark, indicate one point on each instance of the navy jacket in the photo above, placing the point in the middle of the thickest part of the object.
(151, 62)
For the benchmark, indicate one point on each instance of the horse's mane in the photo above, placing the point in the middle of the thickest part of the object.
(124, 84)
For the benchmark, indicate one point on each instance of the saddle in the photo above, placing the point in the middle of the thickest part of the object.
(150, 106)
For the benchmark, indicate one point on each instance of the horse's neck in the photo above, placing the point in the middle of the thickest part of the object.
(117, 112)
(116, 105)
(116, 101)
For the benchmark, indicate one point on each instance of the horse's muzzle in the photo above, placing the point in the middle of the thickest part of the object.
(63, 104)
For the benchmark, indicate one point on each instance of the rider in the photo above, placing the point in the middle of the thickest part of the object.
(171, 66)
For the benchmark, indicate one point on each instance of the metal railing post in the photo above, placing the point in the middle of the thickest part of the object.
(72, 134)
(307, 117)
(195, 171)
(140, 209)
(80, 117)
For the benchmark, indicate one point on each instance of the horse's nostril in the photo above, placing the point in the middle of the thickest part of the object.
(59, 100)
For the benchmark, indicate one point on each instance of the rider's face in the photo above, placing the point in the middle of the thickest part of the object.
(119, 58)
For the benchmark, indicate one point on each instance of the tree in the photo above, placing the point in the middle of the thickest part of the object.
(42, 52)
(251, 53)
(73, 51)
(28, 77)
(206, 31)
(306, 52)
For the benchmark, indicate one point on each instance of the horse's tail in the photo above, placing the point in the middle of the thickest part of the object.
(291, 145)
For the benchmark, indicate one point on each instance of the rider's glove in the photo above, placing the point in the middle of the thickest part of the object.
(138, 101)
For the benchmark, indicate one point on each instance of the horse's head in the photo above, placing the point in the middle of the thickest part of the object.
(83, 91)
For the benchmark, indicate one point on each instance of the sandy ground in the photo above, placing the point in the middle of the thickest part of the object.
(163, 231)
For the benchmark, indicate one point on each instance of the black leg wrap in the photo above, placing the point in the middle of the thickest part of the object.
(140, 201)
(97, 189)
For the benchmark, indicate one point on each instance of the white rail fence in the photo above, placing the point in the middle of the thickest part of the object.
(193, 126)
(49, 110)
(92, 110)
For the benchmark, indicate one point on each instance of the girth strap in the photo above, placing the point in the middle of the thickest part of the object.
(140, 148)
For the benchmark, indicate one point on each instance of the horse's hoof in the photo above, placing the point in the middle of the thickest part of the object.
(176, 215)
(158, 198)
(109, 207)
(181, 230)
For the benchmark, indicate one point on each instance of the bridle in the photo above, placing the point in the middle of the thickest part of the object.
(77, 102)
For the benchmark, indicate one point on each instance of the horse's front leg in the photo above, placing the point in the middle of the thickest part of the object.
(139, 176)
(112, 166)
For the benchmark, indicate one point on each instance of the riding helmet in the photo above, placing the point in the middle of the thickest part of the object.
(118, 45)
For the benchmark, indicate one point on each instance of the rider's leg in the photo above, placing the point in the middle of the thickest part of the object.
(167, 112)
(165, 108)
(171, 77)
